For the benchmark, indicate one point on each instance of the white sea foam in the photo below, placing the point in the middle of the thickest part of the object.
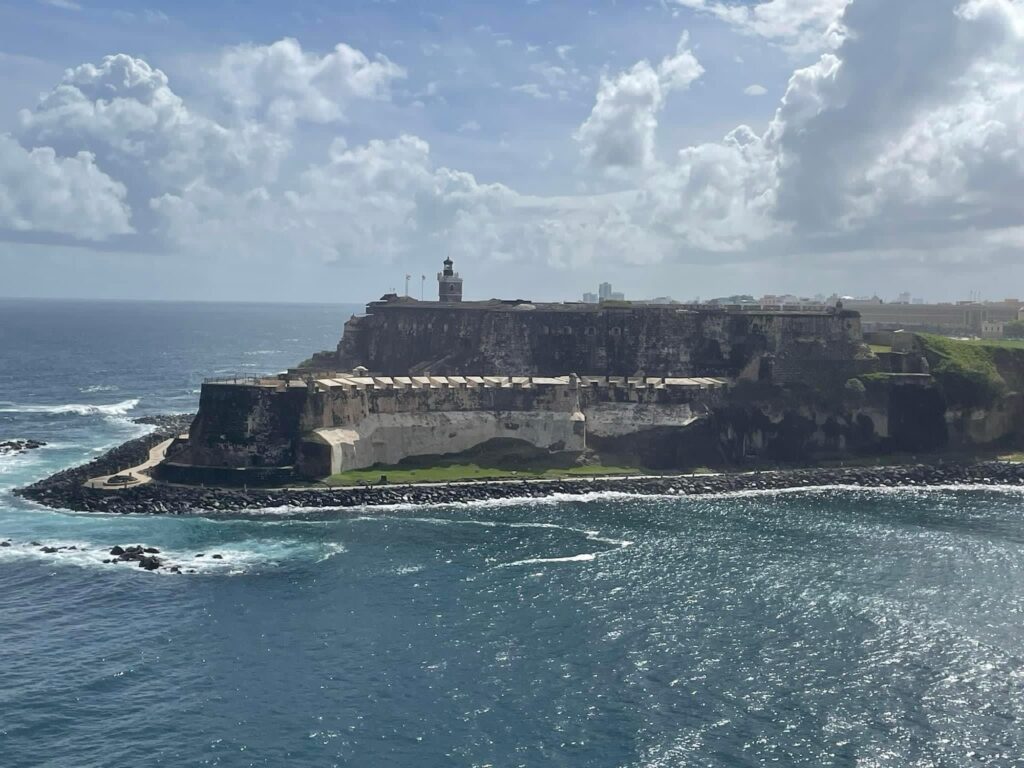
(84, 555)
(556, 499)
(589, 535)
(234, 559)
(584, 558)
(77, 409)
(378, 510)
(881, 490)
(99, 388)
(331, 550)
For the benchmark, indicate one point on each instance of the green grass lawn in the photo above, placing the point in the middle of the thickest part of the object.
(1000, 343)
(450, 473)
(879, 348)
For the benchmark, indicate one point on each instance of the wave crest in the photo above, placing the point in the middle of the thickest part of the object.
(76, 409)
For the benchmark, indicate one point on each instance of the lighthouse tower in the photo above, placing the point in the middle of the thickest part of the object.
(449, 284)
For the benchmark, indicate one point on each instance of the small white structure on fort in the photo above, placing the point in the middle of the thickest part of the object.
(449, 284)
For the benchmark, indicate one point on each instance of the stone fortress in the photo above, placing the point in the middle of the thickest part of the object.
(336, 422)
(661, 386)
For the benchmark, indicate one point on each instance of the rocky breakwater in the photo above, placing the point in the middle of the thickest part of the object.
(157, 498)
(66, 489)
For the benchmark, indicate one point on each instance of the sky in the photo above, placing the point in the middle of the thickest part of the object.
(322, 151)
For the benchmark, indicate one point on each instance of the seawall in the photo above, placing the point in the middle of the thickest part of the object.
(64, 492)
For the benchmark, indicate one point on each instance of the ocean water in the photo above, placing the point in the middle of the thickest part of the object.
(822, 627)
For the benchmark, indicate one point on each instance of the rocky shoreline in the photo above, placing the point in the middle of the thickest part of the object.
(65, 490)
(147, 558)
(9, 447)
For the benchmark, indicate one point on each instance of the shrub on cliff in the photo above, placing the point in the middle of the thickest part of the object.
(855, 391)
(965, 371)
(1014, 330)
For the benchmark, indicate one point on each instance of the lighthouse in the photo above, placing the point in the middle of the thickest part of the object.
(449, 284)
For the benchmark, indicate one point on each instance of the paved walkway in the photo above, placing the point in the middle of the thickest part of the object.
(137, 475)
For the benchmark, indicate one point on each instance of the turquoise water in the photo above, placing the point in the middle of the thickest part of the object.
(814, 627)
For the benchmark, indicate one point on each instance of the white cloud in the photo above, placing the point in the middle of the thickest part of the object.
(717, 197)
(125, 113)
(40, 192)
(387, 198)
(620, 131)
(799, 25)
(280, 83)
(532, 89)
(755, 90)
(67, 5)
(905, 135)
(907, 129)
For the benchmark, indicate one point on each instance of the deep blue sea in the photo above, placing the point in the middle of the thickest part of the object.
(829, 627)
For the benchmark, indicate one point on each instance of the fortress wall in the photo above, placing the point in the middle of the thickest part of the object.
(355, 428)
(244, 426)
(399, 338)
(618, 419)
(353, 422)
(347, 407)
(388, 438)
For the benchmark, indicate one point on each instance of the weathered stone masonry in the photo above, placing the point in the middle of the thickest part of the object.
(336, 422)
(401, 336)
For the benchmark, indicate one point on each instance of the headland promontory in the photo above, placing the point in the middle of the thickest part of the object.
(576, 398)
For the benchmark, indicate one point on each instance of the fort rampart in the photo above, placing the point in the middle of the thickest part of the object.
(403, 336)
(336, 422)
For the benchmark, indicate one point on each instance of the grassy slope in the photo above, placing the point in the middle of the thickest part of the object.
(973, 373)
(454, 472)
(495, 460)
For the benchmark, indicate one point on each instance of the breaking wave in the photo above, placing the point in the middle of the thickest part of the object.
(594, 536)
(584, 558)
(232, 559)
(372, 511)
(77, 409)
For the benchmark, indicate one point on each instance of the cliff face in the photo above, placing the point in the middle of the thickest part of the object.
(982, 383)
(411, 338)
(891, 415)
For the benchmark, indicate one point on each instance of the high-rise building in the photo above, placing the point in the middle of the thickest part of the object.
(604, 291)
